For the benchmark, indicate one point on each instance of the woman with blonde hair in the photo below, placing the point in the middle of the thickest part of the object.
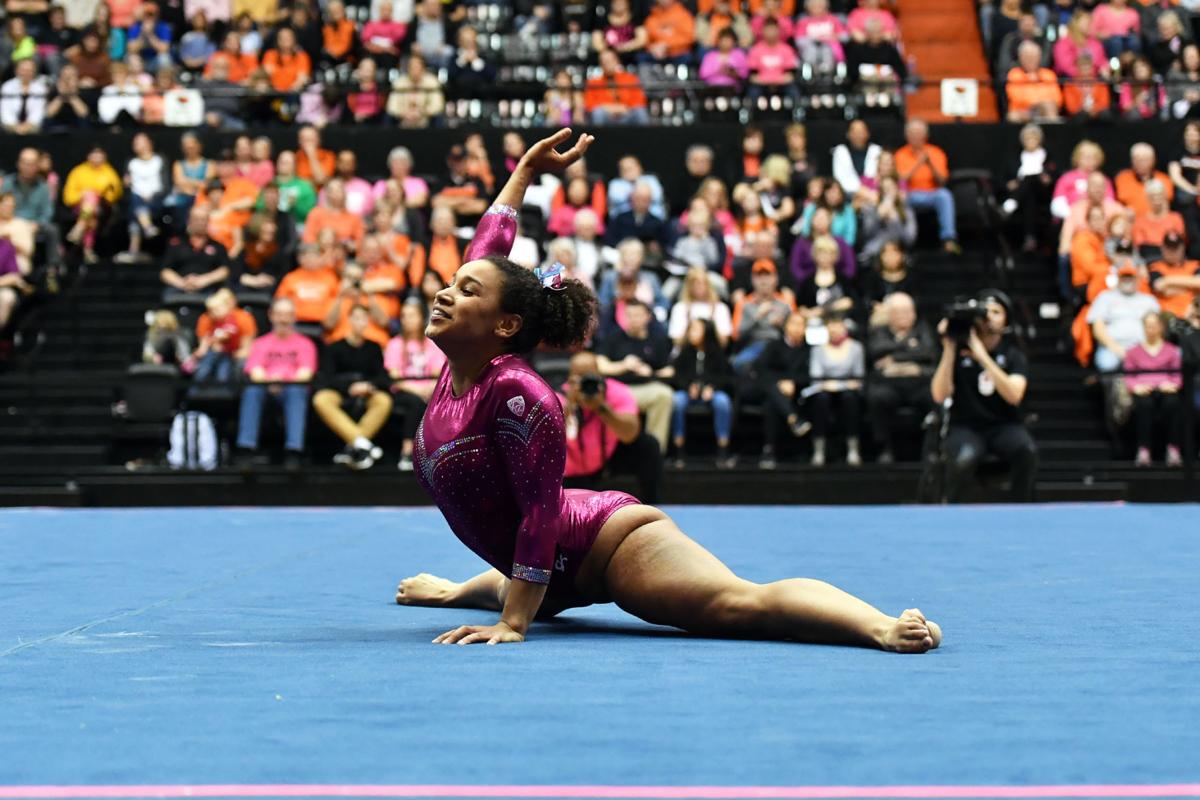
(1086, 158)
(1079, 39)
(698, 300)
(774, 189)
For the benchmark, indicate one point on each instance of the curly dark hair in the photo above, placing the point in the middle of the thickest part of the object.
(561, 319)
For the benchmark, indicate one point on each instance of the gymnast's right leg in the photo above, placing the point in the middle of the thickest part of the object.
(485, 591)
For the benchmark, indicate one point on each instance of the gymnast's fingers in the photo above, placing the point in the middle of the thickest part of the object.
(450, 637)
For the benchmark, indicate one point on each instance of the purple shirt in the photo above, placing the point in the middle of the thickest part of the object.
(493, 460)
(712, 68)
(1139, 359)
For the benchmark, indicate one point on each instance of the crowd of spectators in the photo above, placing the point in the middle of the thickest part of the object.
(229, 64)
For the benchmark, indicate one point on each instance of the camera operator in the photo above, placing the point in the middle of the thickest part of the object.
(603, 429)
(985, 373)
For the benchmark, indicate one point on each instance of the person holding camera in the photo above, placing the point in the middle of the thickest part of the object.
(603, 429)
(985, 373)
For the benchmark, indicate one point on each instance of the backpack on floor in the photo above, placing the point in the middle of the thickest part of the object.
(193, 442)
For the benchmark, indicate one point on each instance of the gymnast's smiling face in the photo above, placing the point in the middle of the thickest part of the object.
(467, 315)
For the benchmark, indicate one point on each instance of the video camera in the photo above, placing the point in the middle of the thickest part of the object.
(962, 315)
(591, 385)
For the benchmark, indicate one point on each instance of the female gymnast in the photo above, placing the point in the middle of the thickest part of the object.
(491, 451)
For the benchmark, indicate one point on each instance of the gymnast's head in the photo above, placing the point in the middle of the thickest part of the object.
(495, 305)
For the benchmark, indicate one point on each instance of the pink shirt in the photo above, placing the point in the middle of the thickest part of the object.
(260, 173)
(712, 68)
(1168, 360)
(413, 187)
(1070, 188)
(414, 361)
(122, 12)
(282, 358)
(214, 10)
(360, 197)
(772, 64)
(562, 221)
(857, 21)
(826, 28)
(589, 441)
(1108, 21)
(1066, 52)
(384, 34)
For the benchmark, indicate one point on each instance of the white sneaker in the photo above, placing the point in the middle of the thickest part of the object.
(406, 464)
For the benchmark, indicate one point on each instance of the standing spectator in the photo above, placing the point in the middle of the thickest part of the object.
(1154, 381)
(1029, 190)
(698, 300)
(1032, 90)
(856, 162)
(194, 263)
(1078, 39)
(1174, 279)
(417, 98)
(289, 67)
(819, 36)
(702, 377)
(836, 370)
(146, 179)
(23, 100)
(281, 366)
(923, 167)
(414, 363)
(783, 374)
(352, 372)
(1116, 318)
(1150, 228)
(615, 97)
(772, 64)
(725, 65)
(902, 353)
(1131, 182)
(670, 32)
(225, 334)
(91, 191)
(313, 287)
(638, 354)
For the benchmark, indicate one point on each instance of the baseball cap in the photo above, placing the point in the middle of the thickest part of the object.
(1172, 239)
(1127, 269)
(763, 266)
(456, 153)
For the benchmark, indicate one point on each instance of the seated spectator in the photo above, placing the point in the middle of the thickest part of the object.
(195, 46)
(1027, 30)
(414, 190)
(444, 248)
(698, 246)
(844, 222)
(825, 292)
(1141, 97)
(603, 431)
(377, 295)
(23, 99)
(698, 166)
(1087, 97)
(313, 163)
(702, 377)
(759, 316)
(352, 374)
(856, 162)
(339, 39)
(1184, 170)
(429, 33)
(193, 263)
(413, 363)
(189, 175)
(1098, 196)
(772, 63)
(1029, 190)
(1171, 38)
(867, 11)
(1175, 279)
(18, 233)
(771, 10)
(639, 221)
(803, 259)
(469, 71)
(1078, 38)
(281, 366)
(782, 372)
(30, 191)
(289, 68)
(902, 353)
(722, 16)
(150, 36)
(698, 300)
(875, 65)
(1032, 90)
(164, 343)
(91, 60)
(1072, 185)
(297, 197)
(459, 191)
(264, 259)
(225, 334)
(1150, 228)
(923, 167)
(382, 36)
(639, 355)
(91, 191)
(231, 209)
(67, 109)
(589, 251)
(146, 177)
(13, 285)
(774, 189)
(562, 104)
(360, 194)
(819, 36)
(596, 192)
(891, 221)
(670, 32)
(1155, 381)
(1131, 182)
(223, 99)
(630, 173)
(259, 169)
(725, 65)
(238, 64)
(1183, 84)
(628, 281)
(120, 102)
(1116, 318)
(836, 371)
(578, 198)
(365, 103)
(888, 275)
(312, 288)
(619, 32)
(1118, 27)
(348, 227)
(615, 97)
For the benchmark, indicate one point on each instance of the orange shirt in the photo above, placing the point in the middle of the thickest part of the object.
(1132, 193)
(1026, 91)
(388, 301)
(411, 252)
(1075, 97)
(347, 226)
(222, 227)
(445, 257)
(1177, 301)
(286, 70)
(1150, 230)
(1088, 259)
(239, 66)
(325, 160)
(672, 26)
(339, 38)
(243, 319)
(312, 290)
(787, 7)
(373, 333)
(922, 178)
(622, 88)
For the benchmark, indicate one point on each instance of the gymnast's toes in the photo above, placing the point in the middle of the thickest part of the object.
(425, 590)
(911, 633)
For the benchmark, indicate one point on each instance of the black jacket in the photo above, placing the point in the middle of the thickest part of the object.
(343, 364)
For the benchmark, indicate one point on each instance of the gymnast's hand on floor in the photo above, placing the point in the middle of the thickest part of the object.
(474, 634)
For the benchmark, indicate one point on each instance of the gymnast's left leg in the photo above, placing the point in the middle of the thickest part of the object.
(660, 575)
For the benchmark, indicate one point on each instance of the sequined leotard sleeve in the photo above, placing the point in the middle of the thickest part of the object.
(495, 233)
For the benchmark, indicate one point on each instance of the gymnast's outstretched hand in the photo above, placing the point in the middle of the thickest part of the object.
(542, 156)
(474, 634)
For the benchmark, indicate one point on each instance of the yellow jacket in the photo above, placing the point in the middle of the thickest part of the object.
(102, 180)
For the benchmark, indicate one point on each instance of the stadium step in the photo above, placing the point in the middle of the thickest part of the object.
(50, 455)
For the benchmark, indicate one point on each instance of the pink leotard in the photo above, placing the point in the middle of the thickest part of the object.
(493, 461)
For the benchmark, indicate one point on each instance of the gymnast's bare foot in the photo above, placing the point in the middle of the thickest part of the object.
(911, 633)
(427, 590)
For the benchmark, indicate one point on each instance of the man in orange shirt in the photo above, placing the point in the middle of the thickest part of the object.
(672, 32)
(333, 214)
(924, 169)
(312, 162)
(1032, 90)
(312, 288)
(1151, 228)
(1131, 183)
(615, 97)
(351, 294)
(1175, 280)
